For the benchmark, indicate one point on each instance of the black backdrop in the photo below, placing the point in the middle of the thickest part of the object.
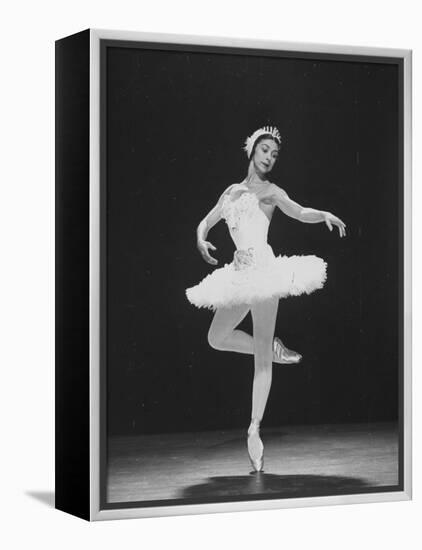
(176, 123)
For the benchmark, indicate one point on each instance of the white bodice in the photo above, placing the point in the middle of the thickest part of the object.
(247, 223)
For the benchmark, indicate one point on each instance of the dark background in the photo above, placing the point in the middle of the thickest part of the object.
(176, 124)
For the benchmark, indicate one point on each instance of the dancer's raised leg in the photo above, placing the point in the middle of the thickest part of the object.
(264, 315)
(221, 334)
(224, 336)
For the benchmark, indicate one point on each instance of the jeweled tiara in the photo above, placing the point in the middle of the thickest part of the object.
(250, 141)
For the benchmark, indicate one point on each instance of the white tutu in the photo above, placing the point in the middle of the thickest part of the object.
(283, 276)
(255, 274)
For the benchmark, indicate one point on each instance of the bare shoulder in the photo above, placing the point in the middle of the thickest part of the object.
(231, 187)
(277, 192)
(228, 191)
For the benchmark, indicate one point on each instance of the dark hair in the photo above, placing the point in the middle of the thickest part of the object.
(261, 138)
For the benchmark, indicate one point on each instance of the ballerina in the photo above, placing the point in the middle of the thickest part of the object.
(256, 279)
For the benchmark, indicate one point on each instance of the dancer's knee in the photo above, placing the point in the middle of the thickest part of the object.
(215, 340)
(263, 356)
(263, 367)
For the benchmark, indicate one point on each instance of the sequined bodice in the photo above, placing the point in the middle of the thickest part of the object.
(247, 223)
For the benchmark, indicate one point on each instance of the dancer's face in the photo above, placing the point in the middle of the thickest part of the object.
(265, 155)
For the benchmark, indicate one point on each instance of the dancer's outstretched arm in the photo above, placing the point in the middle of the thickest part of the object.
(307, 215)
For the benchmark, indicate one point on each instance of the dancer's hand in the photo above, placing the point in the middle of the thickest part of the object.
(331, 220)
(203, 247)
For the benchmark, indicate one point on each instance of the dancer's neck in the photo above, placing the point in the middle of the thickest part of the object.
(254, 179)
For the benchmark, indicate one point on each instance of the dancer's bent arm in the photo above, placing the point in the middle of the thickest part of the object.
(213, 216)
(307, 215)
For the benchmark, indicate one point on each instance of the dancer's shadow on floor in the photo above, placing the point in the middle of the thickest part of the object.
(273, 485)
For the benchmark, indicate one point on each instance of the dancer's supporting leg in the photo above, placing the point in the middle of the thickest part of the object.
(224, 336)
(264, 315)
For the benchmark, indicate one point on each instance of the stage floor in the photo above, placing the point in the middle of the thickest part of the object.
(299, 461)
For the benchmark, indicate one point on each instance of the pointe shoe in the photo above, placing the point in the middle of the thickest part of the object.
(255, 447)
(283, 354)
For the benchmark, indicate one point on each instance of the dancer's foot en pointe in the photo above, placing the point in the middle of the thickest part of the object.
(255, 447)
(283, 355)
